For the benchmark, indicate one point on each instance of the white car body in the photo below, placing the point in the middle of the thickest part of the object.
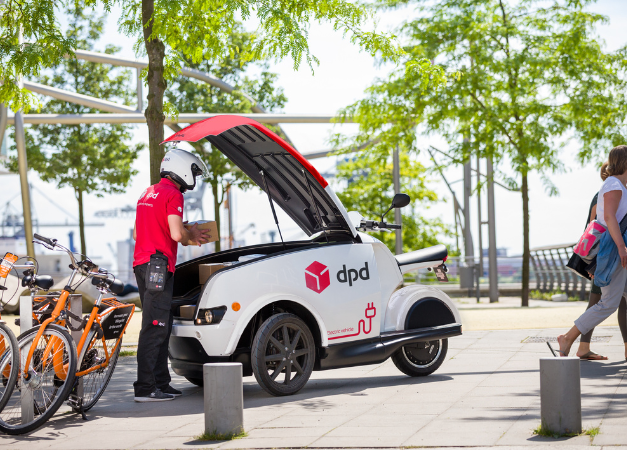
(341, 282)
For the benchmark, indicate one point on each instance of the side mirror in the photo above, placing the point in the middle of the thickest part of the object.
(399, 201)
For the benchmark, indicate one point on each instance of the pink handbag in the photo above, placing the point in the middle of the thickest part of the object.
(588, 245)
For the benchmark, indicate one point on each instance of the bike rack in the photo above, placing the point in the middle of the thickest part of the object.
(26, 323)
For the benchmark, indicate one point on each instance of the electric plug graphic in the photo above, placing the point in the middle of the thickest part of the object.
(371, 311)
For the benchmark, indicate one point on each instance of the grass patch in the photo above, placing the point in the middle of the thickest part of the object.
(214, 436)
(537, 295)
(545, 431)
(592, 431)
(128, 352)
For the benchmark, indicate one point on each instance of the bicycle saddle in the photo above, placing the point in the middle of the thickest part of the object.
(115, 286)
(44, 282)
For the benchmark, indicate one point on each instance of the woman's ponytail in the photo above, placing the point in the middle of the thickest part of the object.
(604, 173)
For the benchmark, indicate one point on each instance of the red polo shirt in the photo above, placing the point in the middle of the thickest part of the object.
(151, 222)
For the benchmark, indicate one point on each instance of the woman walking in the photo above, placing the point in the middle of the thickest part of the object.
(611, 208)
(584, 351)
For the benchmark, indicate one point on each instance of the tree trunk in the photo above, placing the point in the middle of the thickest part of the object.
(526, 252)
(216, 212)
(81, 221)
(156, 88)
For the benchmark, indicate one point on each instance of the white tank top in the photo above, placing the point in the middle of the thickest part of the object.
(612, 184)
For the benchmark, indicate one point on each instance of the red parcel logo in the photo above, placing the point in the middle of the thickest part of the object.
(317, 277)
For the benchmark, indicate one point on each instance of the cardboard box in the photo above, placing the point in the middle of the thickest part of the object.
(187, 311)
(206, 270)
(205, 225)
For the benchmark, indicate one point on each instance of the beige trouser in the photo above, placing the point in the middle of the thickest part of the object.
(610, 300)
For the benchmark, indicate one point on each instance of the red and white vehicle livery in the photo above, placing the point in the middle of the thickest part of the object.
(326, 302)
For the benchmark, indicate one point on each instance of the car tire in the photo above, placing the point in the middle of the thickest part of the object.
(283, 348)
(421, 358)
(196, 381)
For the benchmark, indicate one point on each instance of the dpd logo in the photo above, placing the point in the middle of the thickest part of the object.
(317, 277)
(351, 275)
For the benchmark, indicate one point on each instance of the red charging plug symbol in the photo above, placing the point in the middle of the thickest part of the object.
(370, 312)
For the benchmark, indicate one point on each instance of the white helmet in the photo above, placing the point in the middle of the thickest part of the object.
(183, 167)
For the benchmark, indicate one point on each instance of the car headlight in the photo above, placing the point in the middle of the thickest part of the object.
(210, 316)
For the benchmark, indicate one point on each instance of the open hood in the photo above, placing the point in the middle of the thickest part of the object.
(291, 179)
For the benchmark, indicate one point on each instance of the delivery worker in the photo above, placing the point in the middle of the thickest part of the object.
(158, 230)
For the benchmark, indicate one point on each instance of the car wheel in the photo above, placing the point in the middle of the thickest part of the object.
(421, 358)
(196, 381)
(283, 354)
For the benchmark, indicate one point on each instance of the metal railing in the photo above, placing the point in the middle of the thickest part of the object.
(551, 273)
(548, 272)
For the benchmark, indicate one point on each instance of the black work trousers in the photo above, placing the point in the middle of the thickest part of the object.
(152, 347)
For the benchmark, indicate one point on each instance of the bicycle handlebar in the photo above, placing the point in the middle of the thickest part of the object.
(51, 242)
(372, 225)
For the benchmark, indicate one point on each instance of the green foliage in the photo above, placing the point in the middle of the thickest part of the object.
(36, 20)
(88, 158)
(530, 72)
(369, 191)
(193, 96)
(201, 30)
(215, 436)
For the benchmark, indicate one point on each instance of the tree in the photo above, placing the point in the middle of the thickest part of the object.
(193, 96)
(198, 30)
(34, 21)
(531, 74)
(368, 190)
(88, 158)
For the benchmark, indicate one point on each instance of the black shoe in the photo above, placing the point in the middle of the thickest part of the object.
(171, 391)
(156, 396)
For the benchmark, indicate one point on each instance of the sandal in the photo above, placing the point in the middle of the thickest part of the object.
(591, 356)
(556, 350)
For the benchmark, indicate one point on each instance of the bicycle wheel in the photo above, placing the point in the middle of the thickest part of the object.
(52, 372)
(93, 354)
(9, 363)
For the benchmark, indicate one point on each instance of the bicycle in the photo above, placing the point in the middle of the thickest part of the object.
(9, 354)
(53, 368)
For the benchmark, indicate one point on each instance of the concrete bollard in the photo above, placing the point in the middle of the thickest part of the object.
(224, 398)
(560, 394)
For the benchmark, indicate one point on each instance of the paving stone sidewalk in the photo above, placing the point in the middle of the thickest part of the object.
(486, 394)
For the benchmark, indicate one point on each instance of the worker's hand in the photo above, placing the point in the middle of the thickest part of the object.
(199, 237)
(622, 252)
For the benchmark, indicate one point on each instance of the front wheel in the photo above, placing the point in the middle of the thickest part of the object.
(197, 381)
(51, 372)
(283, 354)
(421, 358)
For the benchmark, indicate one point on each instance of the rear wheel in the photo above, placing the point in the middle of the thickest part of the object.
(421, 358)
(9, 363)
(283, 354)
(51, 376)
(93, 354)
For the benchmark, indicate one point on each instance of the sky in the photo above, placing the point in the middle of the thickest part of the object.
(340, 79)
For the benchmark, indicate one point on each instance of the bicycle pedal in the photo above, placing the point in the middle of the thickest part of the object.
(73, 401)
